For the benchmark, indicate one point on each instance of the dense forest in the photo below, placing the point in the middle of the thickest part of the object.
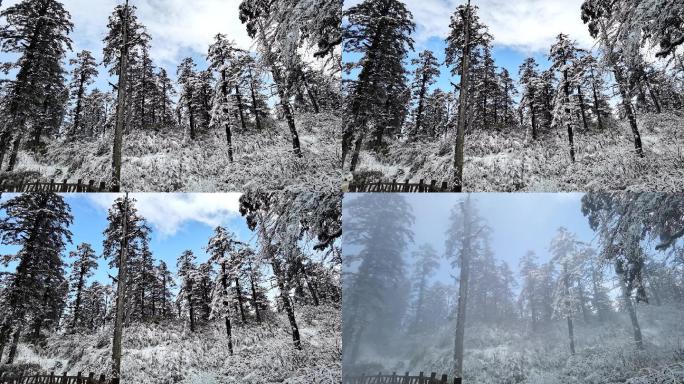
(262, 307)
(605, 117)
(602, 307)
(237, 117)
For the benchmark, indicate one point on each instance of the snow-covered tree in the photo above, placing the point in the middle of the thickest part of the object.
(35, 294)
(379, 31)
(82, 75)
(81, 269)
(36, 33)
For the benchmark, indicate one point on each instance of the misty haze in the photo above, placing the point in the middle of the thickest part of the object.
(500, 288)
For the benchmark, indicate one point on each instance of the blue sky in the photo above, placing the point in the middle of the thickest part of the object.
(178, 221)
(520, 28)
(179, 28)
(519, 222)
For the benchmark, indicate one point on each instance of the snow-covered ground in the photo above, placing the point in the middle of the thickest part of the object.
(511, 353)
(167, 161)
(169, 353)
(508, 161)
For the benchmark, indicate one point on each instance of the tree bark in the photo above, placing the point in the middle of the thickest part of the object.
(240, 301)
(224, 283)
(13, 347)
(462, 112)
(624, 93)
(238, 97)
(226, 123)
(571, 142)
(120, 102)
(638, 339)
(120, 294)
(581, 105)
(462, 293)
(254, 298)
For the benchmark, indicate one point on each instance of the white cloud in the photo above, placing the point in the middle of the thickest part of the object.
(167, 212)
(524, 25)
(177, 27)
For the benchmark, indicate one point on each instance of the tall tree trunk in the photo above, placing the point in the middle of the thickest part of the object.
(255, 108)
(254, 298)
(462, 113)
(581, 105)
(571, 142)
(191, 304)
(421, 96)
(571, 335)
(238, 97)
(312, 97)
(626, 297)
(120, 293)
(238, 290)
(282, 92)
(224, 285)
(120, 104)
(15, 150)
(596, 104)
(357, 150)
(624, 93)
(15, 343)
(77, 304)
(79, 102)
(462, 292)
(287, 305)
(226, 123)
(533, 112)
(312, 290)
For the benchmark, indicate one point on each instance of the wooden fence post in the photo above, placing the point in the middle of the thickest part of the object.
(457, 380)
(52, 374)
(421, 187)
(64, 189)
(65, 379)
(51, 188)
(433, 186)
(445, 186)
(91, 375)
(91, 186)
(79, 185)
(103, 186)
(421, 379)
(115, 381)
(433, 377)
(102, 379)
(444, 379)
(406, 185)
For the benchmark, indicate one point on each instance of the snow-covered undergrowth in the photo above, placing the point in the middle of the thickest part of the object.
(507, 161)
(169, 353)
(166, 161)
(510, 353)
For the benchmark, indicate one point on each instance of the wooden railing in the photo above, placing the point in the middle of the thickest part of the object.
(56, 379)
(42, 186)
(394, 186)
(398, 379)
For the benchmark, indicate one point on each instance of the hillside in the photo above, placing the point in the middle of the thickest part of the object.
(169, 353)
(166, 161)
(509, 353)
(508, 161)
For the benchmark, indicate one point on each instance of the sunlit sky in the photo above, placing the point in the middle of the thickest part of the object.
(179, 29)
(520, 29)
(178, 222)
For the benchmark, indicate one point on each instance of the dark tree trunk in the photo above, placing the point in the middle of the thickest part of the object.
(312, 97)
(626, 297)
(254, 299)
(13, 347)
(287, 305)
(238, 290)
(571, 143)
(241, 108)
(596, 105)
(226, 123)
(581, 104)
(15, 151)
(224, 283)
(314, 295)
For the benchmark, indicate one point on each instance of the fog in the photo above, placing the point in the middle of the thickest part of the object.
(560, 287)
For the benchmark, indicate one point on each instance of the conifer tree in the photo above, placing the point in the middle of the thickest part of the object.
(81, 269)
(37, 223)
(83, 74)
(379, 31)
(427, 68)
(36, 31)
